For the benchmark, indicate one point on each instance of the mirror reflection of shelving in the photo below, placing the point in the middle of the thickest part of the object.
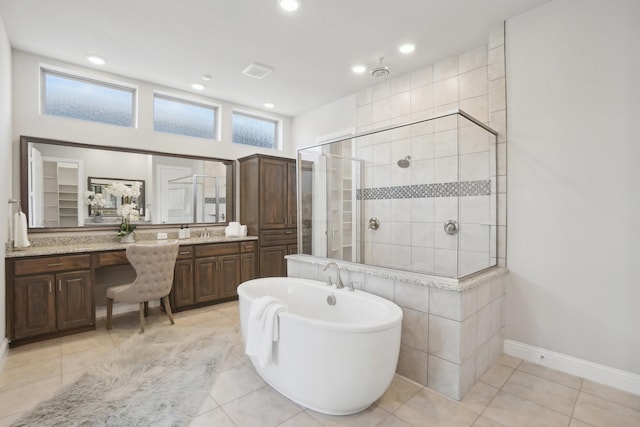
(68, 194)
(60, 194)
(50, 216)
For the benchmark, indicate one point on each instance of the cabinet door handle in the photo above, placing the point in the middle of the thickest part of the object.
(60, 285)
(50, 286)
(288, 232)
(55, 264)
(184, 252)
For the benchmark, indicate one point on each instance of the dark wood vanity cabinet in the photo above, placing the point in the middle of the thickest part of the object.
(248, 265)
(49, 296)
(217, 271)
(268, 208)
(210, 273)
(183, 292)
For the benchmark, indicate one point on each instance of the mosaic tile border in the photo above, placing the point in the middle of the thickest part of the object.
(212, 200)
(445, 189)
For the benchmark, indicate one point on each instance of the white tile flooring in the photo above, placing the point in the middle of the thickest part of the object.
(511, 393)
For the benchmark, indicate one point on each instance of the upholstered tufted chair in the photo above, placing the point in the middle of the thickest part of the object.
(154, 264)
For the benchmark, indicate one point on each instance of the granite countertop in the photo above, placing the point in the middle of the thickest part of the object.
(68, 246)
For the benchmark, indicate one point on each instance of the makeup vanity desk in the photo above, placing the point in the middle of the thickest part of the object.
(50, 289)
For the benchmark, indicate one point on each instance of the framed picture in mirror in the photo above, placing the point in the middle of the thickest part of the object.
(105, 195)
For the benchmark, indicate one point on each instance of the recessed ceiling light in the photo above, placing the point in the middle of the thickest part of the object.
(289, 5)
(359, 69)
(269, 105)
(197, 86)
(96, 60)
(206, 77)
(407, 47)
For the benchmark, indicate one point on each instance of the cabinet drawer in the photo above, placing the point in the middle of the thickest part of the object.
(51, 264)
(278, 237)
(185, 252)
(248, 246)
(112, 258)
(217, 249)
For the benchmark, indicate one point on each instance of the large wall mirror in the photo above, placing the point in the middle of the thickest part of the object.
(66, 185)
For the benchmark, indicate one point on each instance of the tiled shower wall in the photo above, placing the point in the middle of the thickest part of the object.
(411, 235)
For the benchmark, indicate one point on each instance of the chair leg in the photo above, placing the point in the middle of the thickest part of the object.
(141, 317)
(167, 307)
(146, 308)
(109, 312)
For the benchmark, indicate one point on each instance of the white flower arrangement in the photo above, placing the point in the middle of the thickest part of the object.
(128, 210)
(91, 198)
(96, 200)
(120, 189)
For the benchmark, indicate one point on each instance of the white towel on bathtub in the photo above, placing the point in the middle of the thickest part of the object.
(262, 328)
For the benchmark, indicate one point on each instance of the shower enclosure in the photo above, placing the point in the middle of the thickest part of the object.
(419, 196)
(200, 196)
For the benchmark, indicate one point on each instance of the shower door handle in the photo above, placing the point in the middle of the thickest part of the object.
(451, 227)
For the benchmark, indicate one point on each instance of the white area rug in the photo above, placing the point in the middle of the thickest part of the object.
(158, 378)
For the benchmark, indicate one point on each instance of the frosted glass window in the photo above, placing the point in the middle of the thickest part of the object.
(79, 98)
(183, 117)
(256, 131)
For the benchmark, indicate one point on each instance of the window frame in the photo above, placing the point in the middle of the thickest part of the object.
(64, 73)
(217, 108)
(278, 145)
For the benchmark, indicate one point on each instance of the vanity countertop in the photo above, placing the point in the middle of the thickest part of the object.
(68, 247)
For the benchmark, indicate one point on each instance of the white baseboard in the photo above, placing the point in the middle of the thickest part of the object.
(602, 374)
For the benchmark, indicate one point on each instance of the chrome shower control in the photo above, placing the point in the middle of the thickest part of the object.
(451, 227)
(374, 223)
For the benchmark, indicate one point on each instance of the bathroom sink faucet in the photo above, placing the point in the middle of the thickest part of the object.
(339, 284)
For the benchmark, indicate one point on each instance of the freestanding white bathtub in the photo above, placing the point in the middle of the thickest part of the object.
(335, 359)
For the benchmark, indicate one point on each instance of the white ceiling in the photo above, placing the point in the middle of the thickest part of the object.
(311, 51)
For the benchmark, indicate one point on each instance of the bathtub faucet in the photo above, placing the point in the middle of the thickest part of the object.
(339, 284)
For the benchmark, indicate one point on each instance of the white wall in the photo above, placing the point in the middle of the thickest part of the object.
(573, 85)
(329, 119)
(27, 119)
(5, 165)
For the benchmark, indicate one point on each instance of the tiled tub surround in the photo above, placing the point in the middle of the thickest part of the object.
(473, 82)
(452, 330)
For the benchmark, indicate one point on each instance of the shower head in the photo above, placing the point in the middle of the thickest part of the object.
(404, 163)
(380, 71)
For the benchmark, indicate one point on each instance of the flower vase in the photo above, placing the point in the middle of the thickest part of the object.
(127, 238)
(97, 217)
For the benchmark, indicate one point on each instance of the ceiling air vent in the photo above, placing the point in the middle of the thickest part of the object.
(257, 71)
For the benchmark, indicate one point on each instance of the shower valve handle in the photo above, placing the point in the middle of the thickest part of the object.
(451, 227)
(374, 223)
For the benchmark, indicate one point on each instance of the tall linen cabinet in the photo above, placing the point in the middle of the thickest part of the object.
(268, 209)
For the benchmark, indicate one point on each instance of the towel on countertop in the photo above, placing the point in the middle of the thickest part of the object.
(235, 230)
(20, 239)
(262, 328)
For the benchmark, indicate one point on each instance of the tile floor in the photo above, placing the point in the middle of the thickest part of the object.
(511, 393)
